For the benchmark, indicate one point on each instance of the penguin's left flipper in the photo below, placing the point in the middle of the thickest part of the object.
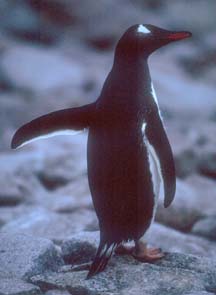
(54, 123)
(162, 152)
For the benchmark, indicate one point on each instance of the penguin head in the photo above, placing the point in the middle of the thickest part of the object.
(142, 40)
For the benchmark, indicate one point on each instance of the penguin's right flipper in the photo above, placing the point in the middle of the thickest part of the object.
(101, 259)
(53, 124)
(160, 146)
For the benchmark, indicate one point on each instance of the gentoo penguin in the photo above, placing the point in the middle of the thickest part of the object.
(128, 149)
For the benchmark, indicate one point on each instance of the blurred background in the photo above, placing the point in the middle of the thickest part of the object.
(56, 54)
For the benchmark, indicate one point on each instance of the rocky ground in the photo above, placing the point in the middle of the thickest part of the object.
(56, 54)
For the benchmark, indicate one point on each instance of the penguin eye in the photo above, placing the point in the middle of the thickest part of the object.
(142, 29)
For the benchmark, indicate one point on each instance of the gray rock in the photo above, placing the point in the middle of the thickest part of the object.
(184, 211)
(174, 241)
(175, 274)
(17, 180)
(41, 70)
(11, 193)
(187, 163)
(55, 11)
(206, 227)
(9, 213)
(206, 194)
(75, 195)
(13, 286)
(39, 223)
(22, 256)
(20, 21)
(58, 292)
(59, 169)
(195, 198)
(112, 16)
(207, 165)
(194, 149)
(80, 248)
(199, 293)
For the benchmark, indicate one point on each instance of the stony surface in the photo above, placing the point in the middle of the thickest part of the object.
(199, 293)
(57, 70)
(58, 292)
(22, 256)
(15, 286)
(57, 227)
(206, 227)
(174, 241)
(80, 248)
(184, 211)
(11, 194)
(60, 169)
(175, 274)
(195, 198)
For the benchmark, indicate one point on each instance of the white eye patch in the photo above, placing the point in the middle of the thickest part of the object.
(142, 29)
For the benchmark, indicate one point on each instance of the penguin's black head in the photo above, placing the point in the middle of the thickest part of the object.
(142, 40)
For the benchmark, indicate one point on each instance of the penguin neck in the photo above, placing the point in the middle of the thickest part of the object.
(129, 79)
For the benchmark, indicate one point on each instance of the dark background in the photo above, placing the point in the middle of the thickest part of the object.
(56, 54)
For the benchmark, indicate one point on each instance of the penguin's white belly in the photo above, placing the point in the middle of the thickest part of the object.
(155, 176)
(155, 170)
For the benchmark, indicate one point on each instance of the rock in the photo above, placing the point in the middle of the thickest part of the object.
(39, 223)
(175, 274)
(158, 235)
(206, 194)
(195, 198)
(55, 11)
(112, 16)
(4, 82)
(173, 241)
(185, 106)
(199, 293)
(13, 110)
(59, 169)
(184, 211)
(23, 256)
(15, 286)
(20, 21)
(9, 213)
(69, 198)
(194, 149)
(18, 184)
(80, 248)
(205, 227)
(10, 194)
(58, 292)
(186, 163)
(41, 70)
(207, 166)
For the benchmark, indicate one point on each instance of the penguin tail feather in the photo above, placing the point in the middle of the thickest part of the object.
(101, 259)
(55, 123)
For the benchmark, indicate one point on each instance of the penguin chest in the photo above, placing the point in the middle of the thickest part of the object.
(154, 169)
(121, 176)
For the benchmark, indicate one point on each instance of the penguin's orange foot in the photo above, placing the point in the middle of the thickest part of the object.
(144, 254)
(124, 250)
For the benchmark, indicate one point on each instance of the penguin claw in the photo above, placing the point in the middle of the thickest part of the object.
(149, 255)
(153, 251)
